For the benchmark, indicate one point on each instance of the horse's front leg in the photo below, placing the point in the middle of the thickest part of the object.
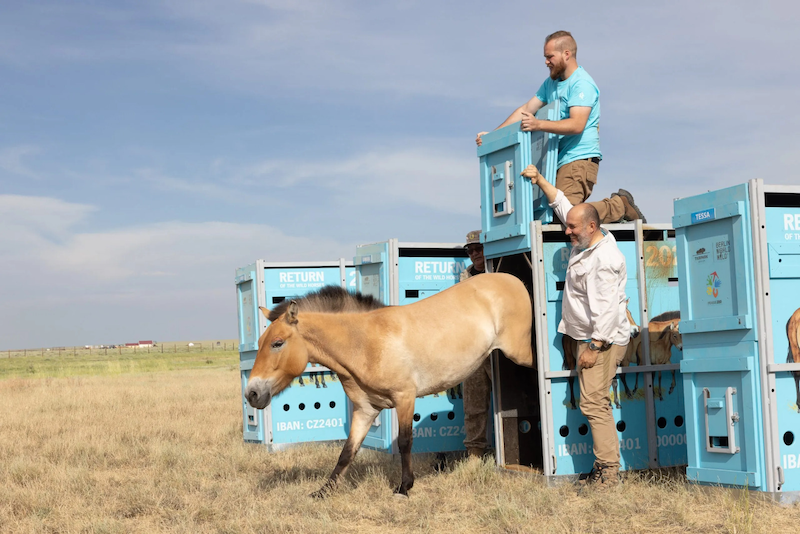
(405, 421)
(363, 416)
(615, 389)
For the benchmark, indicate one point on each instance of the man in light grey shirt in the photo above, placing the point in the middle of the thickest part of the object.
(593, 315)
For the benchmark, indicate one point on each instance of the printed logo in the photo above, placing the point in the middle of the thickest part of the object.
(581, 96)
(713, 283)
(700, 255)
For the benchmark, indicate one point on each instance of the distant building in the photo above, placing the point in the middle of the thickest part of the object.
(140, 344)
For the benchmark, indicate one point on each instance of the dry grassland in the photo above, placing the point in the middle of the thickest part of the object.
(163, 452)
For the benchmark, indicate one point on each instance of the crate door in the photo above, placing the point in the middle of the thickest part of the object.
(720, 347)
(373, 271)
(510, 202)
(247, 304)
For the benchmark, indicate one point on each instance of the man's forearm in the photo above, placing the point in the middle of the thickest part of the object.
(516, 116)
(549, 190)
(570, 126)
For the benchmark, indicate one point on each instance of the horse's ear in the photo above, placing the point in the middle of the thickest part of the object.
(264, 311)
(291, 313)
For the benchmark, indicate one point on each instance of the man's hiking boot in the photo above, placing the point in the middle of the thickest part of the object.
(632, 212)
(599, 479)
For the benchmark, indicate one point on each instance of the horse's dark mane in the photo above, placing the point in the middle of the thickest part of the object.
(329, 299)
(667, 316)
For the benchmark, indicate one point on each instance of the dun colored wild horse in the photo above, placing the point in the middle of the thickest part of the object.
(387, 357)
(793, 335)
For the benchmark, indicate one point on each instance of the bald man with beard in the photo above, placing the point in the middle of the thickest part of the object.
(593, 316)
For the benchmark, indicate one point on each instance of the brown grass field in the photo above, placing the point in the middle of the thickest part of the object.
(162, 451)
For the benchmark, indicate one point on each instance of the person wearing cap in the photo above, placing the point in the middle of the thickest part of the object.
(474, 250)
(579, 153)
(478, 386)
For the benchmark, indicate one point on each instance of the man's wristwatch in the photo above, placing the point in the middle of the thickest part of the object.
(596, 348)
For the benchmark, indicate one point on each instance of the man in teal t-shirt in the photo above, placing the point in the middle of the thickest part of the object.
(579, 147)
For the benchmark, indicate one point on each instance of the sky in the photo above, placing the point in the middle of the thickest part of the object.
(150, 148)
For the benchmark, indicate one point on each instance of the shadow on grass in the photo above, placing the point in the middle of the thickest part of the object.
(384, 466)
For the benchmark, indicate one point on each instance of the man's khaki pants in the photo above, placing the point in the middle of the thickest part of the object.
(595, 383)
(577, 179)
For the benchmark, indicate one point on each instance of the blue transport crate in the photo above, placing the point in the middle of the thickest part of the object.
(314, 407)
(510, 202)
(537, 416)
(739, 264)
(402, 273)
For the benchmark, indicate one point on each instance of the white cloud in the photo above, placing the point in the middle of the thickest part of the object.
(145, 268)
(27, 223)
(11, 160)
(439, 178)
(171, 249)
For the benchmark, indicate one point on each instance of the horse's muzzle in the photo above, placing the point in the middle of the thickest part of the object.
(258, 393)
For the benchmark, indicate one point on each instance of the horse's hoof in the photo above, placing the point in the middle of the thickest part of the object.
(400, 496)
(320, 494)
(400, 492)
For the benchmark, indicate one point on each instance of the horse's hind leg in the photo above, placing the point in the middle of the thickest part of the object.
(362, 420)
(628, 392)
(660, 391)
(571, 382)
(672, 387)
(405, 419)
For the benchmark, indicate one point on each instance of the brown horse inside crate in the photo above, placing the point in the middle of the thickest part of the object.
(793, 336)
(389, 356)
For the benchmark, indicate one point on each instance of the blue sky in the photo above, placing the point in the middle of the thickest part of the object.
(148, 149)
